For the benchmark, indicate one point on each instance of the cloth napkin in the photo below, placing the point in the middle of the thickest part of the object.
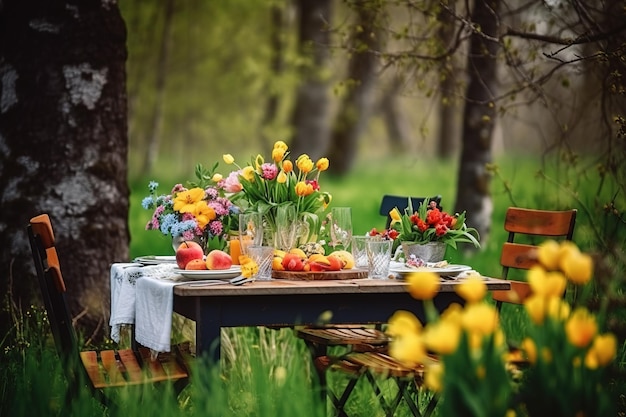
(130, 304)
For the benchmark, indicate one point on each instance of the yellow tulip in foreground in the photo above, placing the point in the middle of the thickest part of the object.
(581, 327)
(423, 285)
(472, 289)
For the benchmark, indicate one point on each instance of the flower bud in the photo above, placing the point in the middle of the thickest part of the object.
(423, 285)
(228, 158)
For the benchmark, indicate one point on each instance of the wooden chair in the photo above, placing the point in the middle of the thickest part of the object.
(101, 371)
(388, 202)
(534, 226)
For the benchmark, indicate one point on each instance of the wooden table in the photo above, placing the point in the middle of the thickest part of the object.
(285, 303)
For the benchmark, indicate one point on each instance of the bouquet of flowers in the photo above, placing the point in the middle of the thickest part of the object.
(264, 186)
(429, 224)
(198, 212)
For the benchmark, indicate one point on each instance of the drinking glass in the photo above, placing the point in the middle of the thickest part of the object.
(341, 228)
(263, 256)
(286, 227)
(379, 258)
(359, 250)
(250, 230)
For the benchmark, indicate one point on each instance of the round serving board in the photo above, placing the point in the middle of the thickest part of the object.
(313, 276)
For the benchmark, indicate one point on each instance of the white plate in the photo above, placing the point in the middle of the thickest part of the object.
(400, 268)
(155, 260)
(233, 272)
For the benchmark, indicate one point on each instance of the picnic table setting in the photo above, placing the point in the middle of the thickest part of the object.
(263, 246)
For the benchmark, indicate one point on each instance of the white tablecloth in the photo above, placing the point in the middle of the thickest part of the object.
(143, 296)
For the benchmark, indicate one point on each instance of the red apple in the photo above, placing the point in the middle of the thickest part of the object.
(188, 251)
(217, 259)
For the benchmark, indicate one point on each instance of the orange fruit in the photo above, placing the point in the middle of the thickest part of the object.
(196, 264)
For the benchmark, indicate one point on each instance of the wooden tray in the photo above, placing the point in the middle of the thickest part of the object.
(314, 276)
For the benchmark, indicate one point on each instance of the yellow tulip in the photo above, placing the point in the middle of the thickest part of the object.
(472, 290)
(604, 348)
(248, 173)
(557, 308)
(423, 285)
(279, 144)
(442, 337)
(578, 267)
(278, 154)
(546, 283)
(409, 349)
(228, 158)
(287, 166)
(548, 254)
(480, 318)
(217, 177)
(304, 164)
(395, 216)
(433, 379)
(281, 178)
(185, 201)
(322, 164)
(591, 360)
(453, 314)
(303, 189)
(581, 327)
(535, 306)
(403, 322)
(567, 248)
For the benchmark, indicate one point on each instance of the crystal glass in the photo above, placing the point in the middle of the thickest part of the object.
(250, 230)
(379, 258)
(359, 251)
(287, 226)
(263, 256)
(341, 228)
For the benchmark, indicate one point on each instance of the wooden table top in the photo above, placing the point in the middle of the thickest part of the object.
(289, 287)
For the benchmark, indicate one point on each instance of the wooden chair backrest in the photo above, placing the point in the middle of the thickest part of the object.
(388, 202)
(52, 286)
(536, 226)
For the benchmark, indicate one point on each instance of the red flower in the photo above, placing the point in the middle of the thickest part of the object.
(433, 217)
(441, 229)
(421, 225)
(314, 184)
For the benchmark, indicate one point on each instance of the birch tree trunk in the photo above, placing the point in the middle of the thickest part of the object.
(479, 118)
(63, 148)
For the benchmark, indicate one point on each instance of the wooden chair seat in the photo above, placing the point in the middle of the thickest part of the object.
(100, 371)
(117, 368)
(375, 367)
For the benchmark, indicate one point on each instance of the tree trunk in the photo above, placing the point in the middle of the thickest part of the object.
(310, 115)
(63, 148)
(277, 68)
(478, 120)
(398, 128)
(156, 122)
(448, 127)
(356, 105)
